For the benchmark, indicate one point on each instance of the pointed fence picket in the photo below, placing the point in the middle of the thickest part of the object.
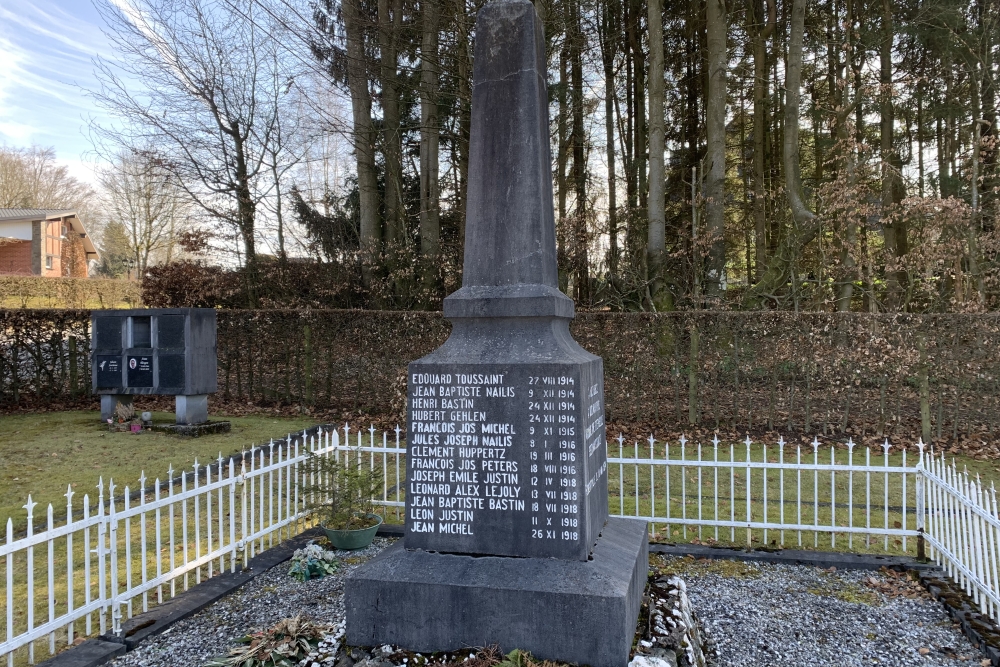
(124, 553)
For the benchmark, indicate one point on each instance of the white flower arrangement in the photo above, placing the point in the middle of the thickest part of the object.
(313, 562)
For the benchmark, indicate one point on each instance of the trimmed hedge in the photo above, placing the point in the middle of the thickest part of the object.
(38, 292)
(835, 375)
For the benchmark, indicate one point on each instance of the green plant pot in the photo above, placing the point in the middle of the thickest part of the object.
(353, 539)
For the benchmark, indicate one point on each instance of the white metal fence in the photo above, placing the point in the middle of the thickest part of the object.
(86, 569)
(754, 492)
(89, 569)
(963, 531)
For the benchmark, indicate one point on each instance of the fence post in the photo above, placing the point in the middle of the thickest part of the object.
(233, 544)
(919, 482)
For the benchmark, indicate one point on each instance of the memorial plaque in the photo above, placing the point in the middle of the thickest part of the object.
(108, 333)
(109, 370)
(170, 331)
(139, 371)
(504, 459)
(172, 371)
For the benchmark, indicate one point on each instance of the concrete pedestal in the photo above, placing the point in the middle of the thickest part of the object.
(109, 403)
(571, 611)
(192, 409)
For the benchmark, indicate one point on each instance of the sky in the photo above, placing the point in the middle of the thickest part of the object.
(46, 53)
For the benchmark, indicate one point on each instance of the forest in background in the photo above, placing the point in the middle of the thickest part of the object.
(838, 155)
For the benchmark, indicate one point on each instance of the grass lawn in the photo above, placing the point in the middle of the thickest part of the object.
(44, 454)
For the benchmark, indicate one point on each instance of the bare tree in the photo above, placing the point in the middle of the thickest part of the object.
(143, 199)
(31, 178)
(208, 105)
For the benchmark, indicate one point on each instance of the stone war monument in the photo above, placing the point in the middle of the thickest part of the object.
(508, 539)
(163, 351)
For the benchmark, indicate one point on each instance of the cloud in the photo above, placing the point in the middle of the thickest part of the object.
(47, 48)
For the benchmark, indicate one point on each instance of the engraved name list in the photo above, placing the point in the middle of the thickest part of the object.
(507, 454)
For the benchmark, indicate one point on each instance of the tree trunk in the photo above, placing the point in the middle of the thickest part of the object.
(801, 215)
(760, 102)
(245, 216)
(848, 162)
(578, 140)
(656, 233)
(628, 146)
(988, 144)
(430, 214)
(607, 43)
(278, 214)
(804, 227)
(390, 17)
(715, 158)
(364, 134)
(892, 184)
(639, 85)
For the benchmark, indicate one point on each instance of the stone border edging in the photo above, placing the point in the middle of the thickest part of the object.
(824, 559)
(962, 610)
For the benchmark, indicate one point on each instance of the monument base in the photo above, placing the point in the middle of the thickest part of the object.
(191, 409)
(571, 611)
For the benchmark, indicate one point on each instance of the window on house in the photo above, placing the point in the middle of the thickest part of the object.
(48, 262)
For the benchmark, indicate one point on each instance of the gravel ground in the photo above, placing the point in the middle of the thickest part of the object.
(789, 616)
(261, 603)
(758, 615)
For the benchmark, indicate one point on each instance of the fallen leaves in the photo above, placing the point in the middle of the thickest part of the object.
(895, 584)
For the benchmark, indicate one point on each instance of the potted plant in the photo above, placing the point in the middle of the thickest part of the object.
(342, 498)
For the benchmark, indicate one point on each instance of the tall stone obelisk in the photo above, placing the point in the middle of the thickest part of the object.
(507, 539)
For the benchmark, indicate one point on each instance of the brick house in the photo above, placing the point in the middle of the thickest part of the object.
(44, 242)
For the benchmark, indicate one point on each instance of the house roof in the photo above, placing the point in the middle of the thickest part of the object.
(69, 215)
(19, 214)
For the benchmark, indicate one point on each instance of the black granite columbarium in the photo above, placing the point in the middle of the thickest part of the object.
(155, 351)
(508, 538)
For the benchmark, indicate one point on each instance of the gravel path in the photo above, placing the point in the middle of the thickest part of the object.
(789, 616)
(758, 615)
(261, 603)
